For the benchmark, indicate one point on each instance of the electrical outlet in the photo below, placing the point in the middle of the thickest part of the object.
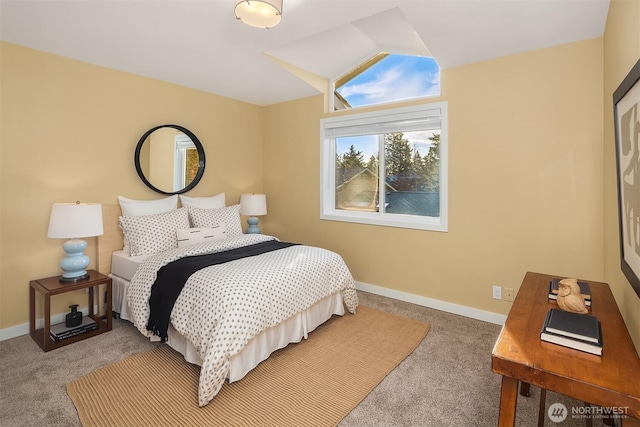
(508, 294)
(497, 292)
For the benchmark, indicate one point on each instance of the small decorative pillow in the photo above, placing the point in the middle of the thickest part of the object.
(193, 236)
(207, 218)
(151, 234)
(213, 202)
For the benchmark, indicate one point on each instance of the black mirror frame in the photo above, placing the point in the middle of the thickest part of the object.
(201, 159)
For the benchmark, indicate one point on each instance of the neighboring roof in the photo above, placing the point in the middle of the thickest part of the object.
(397, 202)
(413, 203)
(364, 171)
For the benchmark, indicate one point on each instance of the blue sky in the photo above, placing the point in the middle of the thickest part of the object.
(395, 78)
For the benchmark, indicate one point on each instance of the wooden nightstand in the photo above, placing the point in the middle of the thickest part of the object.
(52, 286)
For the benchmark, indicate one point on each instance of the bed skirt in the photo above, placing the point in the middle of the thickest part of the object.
(260, 347)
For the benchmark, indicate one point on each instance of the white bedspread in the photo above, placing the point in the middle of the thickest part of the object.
(223, 306)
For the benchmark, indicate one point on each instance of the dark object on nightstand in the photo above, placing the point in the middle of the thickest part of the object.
(74, 318)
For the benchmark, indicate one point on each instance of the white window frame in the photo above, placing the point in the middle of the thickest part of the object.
(182, 143)
(379, 120)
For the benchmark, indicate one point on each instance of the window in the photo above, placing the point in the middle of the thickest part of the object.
(402, 151)
(387, 78)
(186, 161)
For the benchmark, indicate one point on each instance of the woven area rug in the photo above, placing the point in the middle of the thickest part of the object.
(313, 383)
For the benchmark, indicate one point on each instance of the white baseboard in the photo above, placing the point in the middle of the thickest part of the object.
(474, 313)
(461, 310)
(23, 329)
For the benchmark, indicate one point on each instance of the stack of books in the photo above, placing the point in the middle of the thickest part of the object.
(60, 331)
(584, 290)
(578, 331)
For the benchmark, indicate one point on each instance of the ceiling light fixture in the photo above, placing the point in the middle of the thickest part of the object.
(259, 13)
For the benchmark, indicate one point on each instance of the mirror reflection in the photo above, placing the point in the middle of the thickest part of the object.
(169, 159)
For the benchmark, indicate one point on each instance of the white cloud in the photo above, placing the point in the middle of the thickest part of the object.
(394, 84)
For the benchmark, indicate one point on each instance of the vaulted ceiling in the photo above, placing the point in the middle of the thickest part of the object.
(200, 44)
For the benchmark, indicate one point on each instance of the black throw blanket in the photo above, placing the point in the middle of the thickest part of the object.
(172, 277)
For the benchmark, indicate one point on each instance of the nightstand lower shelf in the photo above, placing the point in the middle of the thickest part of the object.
(39, 335)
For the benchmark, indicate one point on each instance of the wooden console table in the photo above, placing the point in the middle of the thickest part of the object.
(612, 380)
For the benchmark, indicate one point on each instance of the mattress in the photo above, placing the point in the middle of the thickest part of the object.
(259, 348)
(123, 265)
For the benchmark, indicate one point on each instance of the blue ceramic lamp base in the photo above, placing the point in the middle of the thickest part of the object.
(253, 225)
(76, 262)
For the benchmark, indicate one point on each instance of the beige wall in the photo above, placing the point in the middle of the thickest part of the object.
(621, 52)
(527, 183)
(68, 132)
(525, 170)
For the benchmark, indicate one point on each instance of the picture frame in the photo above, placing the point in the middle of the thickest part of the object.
(626, 106)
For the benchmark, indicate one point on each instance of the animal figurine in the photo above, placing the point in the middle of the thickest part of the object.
(570, 298)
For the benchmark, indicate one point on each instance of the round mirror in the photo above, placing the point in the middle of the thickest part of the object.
(169, 159)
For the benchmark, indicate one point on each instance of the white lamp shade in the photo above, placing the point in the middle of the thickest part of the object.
(75, 220)
(253, 204)
(259, 13)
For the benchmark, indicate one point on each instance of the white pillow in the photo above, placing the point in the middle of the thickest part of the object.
(207, 218)
(193, 236)
(150, 234)
(132, 207)
(213, 202)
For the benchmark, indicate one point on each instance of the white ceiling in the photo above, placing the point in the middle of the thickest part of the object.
(200, 44)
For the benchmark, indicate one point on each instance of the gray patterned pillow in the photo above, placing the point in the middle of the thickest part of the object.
(131, 207)
(151, 234)
(207, 218)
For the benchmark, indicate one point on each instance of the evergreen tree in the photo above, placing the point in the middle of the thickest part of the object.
(420, 171)
(349, 164)
(373, 164)
(398, 162)
(432, 164)
(405, 168)
(353, 159)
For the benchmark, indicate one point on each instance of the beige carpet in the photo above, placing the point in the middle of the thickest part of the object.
(314, 383)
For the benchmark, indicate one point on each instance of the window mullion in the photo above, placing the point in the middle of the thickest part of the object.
(381, 175)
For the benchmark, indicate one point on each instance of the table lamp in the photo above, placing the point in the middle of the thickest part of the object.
(73, 221)
(253, 205)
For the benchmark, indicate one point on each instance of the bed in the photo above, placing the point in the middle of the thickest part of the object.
(292, 289)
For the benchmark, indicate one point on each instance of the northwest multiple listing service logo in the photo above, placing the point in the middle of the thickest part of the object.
(558, 412)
